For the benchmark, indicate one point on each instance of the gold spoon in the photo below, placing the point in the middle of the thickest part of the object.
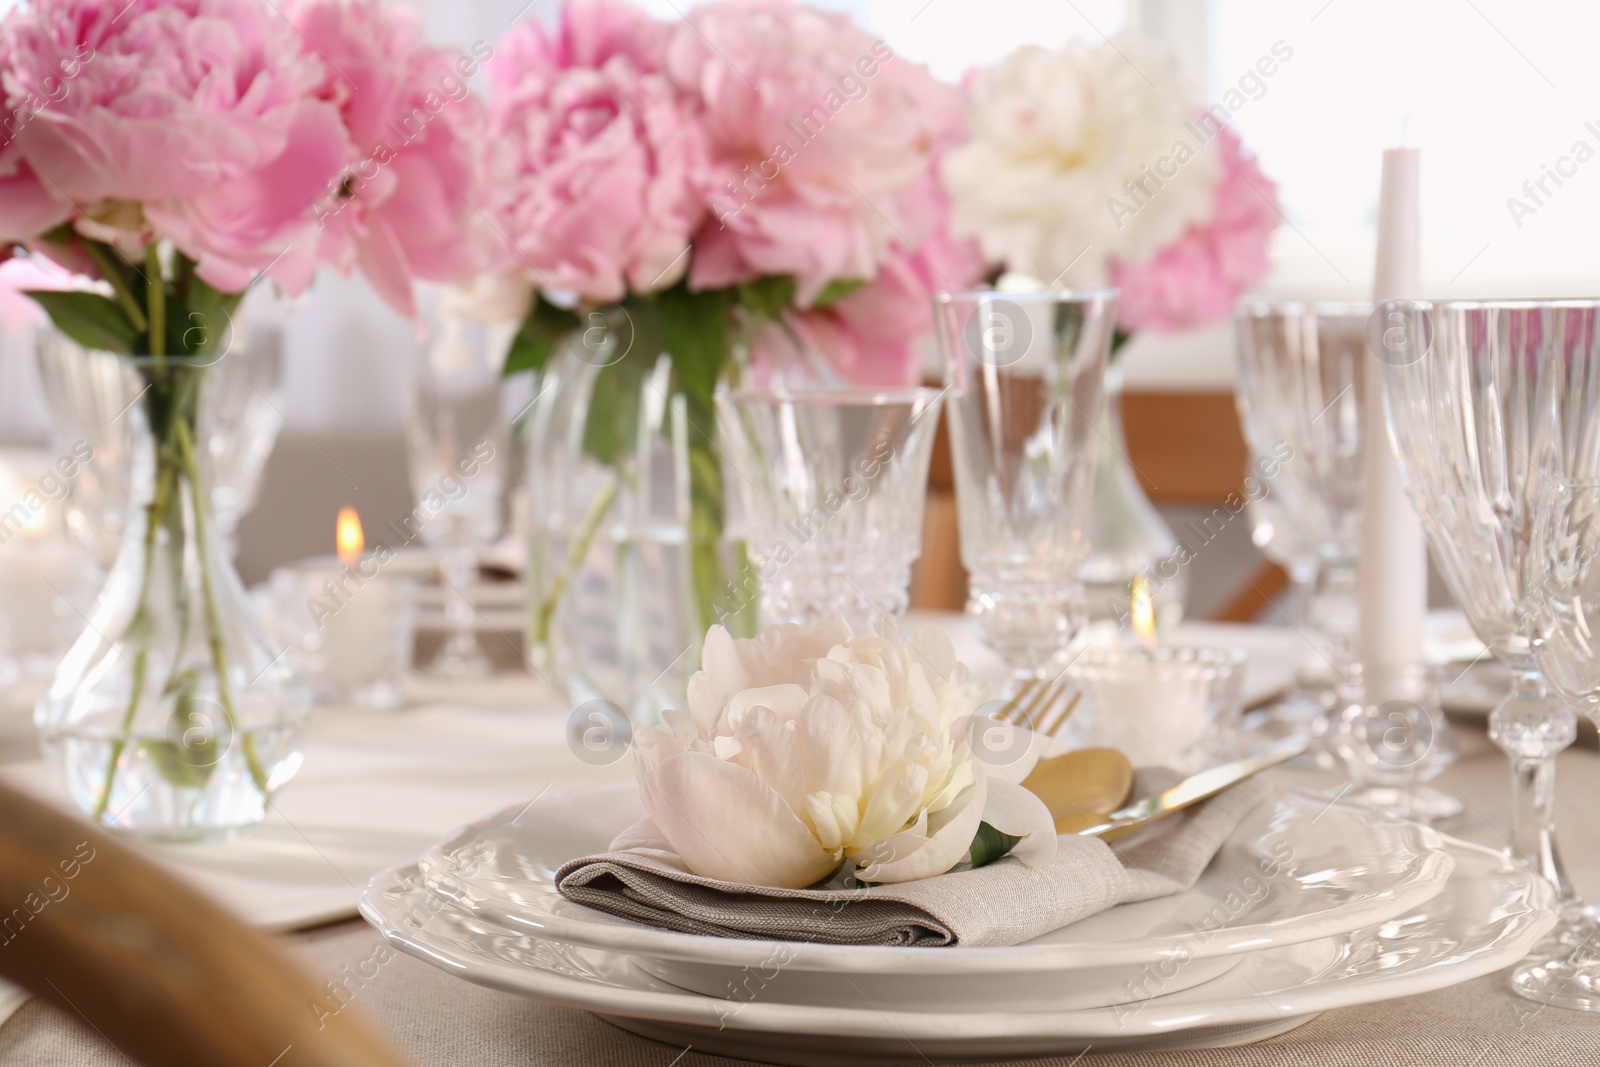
(1081, 787)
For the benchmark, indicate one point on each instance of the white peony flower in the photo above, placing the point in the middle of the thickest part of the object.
(806, 747)
(1056, 134)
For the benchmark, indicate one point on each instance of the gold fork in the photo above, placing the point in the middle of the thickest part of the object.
(1042, 705)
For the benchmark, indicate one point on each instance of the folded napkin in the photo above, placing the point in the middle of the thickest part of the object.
(1004, 903)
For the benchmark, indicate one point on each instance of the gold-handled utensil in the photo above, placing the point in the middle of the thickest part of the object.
(1191, 790)
(1081, 788)
(1040, 704)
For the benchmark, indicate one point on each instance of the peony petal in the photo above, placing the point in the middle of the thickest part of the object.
(894, 802)
(767, 748)
(830, 748)
(785, 701)
(1013, 810)
(642, 834)
(908, 856)
(1006, 751)
(726, 823)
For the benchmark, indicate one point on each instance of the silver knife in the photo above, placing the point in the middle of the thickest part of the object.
(1191, 790)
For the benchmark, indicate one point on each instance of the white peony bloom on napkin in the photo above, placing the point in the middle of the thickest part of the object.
(806, 747)
(1080, 156)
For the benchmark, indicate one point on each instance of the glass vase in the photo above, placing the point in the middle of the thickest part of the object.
(628, 561)
(171, 716)
(1127, 535)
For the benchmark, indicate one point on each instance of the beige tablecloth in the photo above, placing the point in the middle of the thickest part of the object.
(440, 1020)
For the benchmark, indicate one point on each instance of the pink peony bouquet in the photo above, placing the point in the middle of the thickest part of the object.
(1120, 179)
(176, 150)
(768, 167)
(753, 190)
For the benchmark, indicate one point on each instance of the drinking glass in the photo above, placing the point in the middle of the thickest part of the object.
(1490, 404)
(832, 485)
(1300, 374)
(458, 446)
(1025, 377)
(1564, 602)
(1277, 537)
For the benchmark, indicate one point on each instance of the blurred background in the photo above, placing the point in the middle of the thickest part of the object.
(1496, 96)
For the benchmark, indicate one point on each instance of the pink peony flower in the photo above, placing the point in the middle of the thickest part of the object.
(188, 119)
(592, 172)
(588, 34)
(18, 274)
(874, 336)
(1196, 279)
(401, 207)
(817, 132)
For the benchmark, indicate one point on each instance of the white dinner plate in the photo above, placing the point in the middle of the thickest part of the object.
(1296, 869)
(1488, 915)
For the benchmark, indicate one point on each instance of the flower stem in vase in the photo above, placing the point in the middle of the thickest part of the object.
(576, 553)
(219, 658)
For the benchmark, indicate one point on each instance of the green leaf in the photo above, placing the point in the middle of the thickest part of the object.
(769, 296)
(611, 427)
(540, 332)
(694, 330)
(989, 844)
(836, 291)
(90, 319)
(202, 316)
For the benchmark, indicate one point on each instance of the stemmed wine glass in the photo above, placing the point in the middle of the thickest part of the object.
(1025, 377)
(1564, 603)
(1489, 405)
(458, 447)
(1300, 375)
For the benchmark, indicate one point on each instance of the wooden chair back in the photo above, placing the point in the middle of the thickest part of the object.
(1187, 448)
(161, 972)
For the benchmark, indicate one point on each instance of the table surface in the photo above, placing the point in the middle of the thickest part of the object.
(438, 1019)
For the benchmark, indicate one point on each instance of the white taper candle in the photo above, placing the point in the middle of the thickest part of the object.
(1394, 556)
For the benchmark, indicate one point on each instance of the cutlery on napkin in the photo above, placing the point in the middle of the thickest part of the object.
(1004, 903)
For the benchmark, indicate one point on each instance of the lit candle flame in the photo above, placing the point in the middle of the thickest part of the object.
(1143, 612)
(37, 524)
(348, 537)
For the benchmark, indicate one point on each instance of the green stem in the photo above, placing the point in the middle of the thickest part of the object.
(156, 299)
(166, 480)
(108, 269)
(219, 659)
(576, 552)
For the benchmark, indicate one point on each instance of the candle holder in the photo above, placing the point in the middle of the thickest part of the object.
(1392, 748)
(1170, 706)
(349, 629)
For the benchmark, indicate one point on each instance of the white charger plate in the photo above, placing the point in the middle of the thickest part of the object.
(1488, 915)
(1296, 869)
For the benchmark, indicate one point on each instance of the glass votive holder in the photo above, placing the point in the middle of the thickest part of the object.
(1171, 706)
(350, 629)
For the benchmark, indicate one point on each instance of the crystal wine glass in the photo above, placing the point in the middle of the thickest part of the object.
(458, 445)
(1025, 374)
(832, 484)
(1489, 405)
(1564, 604)
(1300, 374)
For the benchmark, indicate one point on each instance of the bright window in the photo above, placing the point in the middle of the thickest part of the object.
(1495, 93)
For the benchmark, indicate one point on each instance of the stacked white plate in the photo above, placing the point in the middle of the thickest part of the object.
(1308, 906)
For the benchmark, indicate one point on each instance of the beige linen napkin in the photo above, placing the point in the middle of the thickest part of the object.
(1004, 903)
